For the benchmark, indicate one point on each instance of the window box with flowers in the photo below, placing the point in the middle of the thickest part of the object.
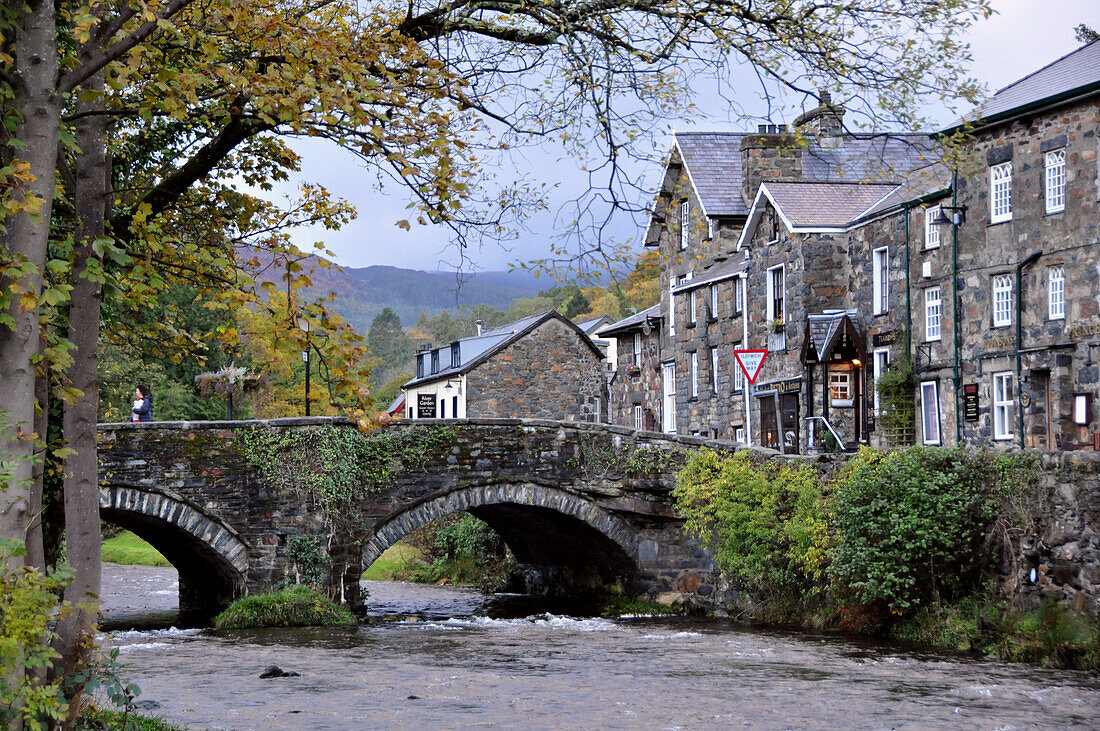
(775, 326)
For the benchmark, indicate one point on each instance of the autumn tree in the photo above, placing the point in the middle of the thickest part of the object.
(387, 340)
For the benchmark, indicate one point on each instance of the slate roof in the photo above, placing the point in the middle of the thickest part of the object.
(476, 349)
(824, 329)
(917, 184)
(1077, 71)
(825, 205)
(713, 159)
(634, 322)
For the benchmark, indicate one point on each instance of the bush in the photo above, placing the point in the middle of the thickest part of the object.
(298, 606)
(912, 525)
(765, 521)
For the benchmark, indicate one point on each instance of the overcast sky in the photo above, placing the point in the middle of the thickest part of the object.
(1021, 37)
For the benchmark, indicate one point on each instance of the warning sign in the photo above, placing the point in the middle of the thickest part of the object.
(751, 361)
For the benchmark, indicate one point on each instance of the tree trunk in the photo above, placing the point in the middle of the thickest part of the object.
(36, 549)
(82, 526)
(39, 109)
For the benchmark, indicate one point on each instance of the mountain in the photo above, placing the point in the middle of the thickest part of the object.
(361, 293)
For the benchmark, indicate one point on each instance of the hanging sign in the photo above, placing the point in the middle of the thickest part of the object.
(751, 362)
(425, 406)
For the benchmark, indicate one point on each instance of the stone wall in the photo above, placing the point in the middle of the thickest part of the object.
(550, 373)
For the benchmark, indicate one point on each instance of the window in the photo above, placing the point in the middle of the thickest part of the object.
(1002, 300)
(931, 230)
(694, 374)
(1056, 294)
(691, 307)
(435, 361)
(880, 360)
(738, 377)
(668, 410)
(880, 265)
(739, 435)
(738, 295)
(442, 408)
(637, 349)
(933, 309)
(684, 212)
(419, 366)
(714, 370)
(713, 301)
(597, 416)
(1000, 193)
(456, 355)
(776, 309)
(840, 387)
(930, 412)
(639, 419)
(1002, 405)
(454, 407)
(1055, 179)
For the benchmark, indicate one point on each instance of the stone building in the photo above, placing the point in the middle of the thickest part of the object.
(841, 255)
(540, 367)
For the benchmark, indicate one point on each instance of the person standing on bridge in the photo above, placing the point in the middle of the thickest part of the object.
(143, 404)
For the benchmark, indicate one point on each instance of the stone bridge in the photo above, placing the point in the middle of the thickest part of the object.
(225, 502)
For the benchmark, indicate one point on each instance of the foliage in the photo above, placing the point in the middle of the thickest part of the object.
(460, 549)
(395, 564)
(28, 600)
(127, 548)
(337, 465)
(94, 719)
(913, 525)
(896, 390)
(228, 381)
(297, 606)
(310, 560)
(386, 340)
(766, 521)
(1051, 634)
(599, 457)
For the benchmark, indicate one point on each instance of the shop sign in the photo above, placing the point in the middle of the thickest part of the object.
(1084, 329)
(889, 337)
(790, 385)
(970, 401)
(425, 406)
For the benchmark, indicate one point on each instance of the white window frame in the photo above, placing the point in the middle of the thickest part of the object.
(931, 230)
(668, 411)
(685, 213)
(714, 369)
(694, 374)
(1054, 179)
(933, 315)
(639, 418)
(671, 307)
(714, 301)
(692, 308)
(880, 274)
(841, 386)
(739, 295)
(1000, 193)
(1002, 300)
(738, 376)
(1003, 404)
(599, 411)
(739, 435)
(1056, 293)
(880, 362)
(930, 412)
(777, 341)
(637, 349)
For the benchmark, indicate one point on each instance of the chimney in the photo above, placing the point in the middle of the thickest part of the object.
(770, 154)
(479, 326)
(826, 120)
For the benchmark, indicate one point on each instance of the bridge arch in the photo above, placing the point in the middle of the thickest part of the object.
(212, 559)
(558, 537)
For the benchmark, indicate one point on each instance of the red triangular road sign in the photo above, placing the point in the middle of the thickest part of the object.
(751, 361)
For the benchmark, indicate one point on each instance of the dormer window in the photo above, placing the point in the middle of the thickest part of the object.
(456, 355)
(435, 361)
(420, 366)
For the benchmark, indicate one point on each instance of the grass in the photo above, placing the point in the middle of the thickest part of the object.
(298, 606)
(395, 564)
(127, 548)
(112, 720)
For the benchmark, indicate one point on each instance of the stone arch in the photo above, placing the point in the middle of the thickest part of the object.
(212, 559)
(551, 532)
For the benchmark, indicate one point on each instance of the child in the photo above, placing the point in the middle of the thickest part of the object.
(143, 404)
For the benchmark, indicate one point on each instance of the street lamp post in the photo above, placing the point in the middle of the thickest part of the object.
(303, 324)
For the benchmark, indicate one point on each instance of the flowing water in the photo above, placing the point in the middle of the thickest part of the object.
(438, 661)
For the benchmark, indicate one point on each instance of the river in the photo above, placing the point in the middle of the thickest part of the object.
(437, 662)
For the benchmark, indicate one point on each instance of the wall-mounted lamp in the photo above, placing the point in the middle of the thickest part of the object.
(957, 217)
(647, 328)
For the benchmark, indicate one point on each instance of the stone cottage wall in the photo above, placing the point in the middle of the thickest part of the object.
(550, 373)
